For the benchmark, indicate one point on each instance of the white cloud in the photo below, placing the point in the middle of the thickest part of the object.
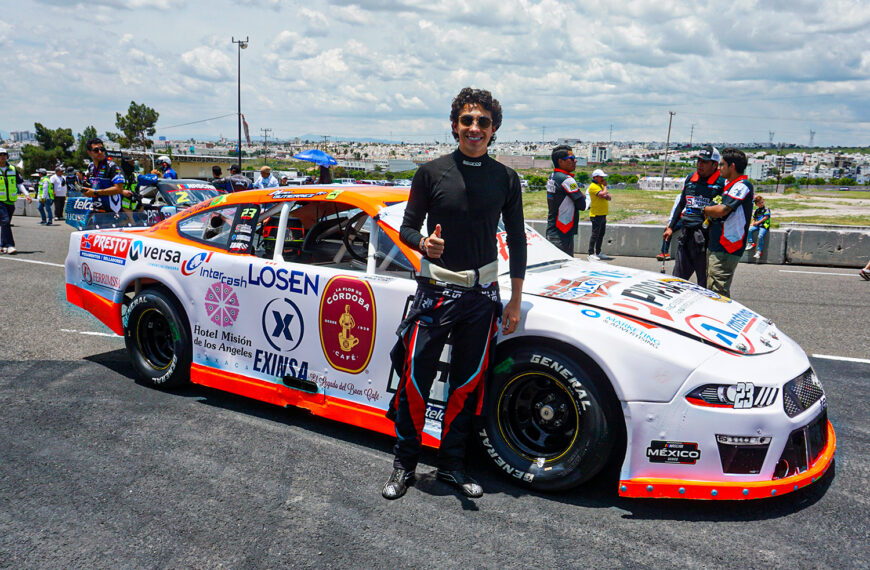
(207, 63)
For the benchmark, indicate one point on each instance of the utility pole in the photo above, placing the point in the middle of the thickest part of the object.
(611, 132)
(265, 143)
(242, 44)
(691, 135)
(543, 130)
(770, 133)
(667, 147)
(812, 136)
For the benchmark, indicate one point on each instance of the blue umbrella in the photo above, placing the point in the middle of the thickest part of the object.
(316, 156)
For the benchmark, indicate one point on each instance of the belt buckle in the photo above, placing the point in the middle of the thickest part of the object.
(476, 277)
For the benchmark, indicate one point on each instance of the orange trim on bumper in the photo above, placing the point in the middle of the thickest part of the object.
(318, 404)
(652, 488)
(108, 312)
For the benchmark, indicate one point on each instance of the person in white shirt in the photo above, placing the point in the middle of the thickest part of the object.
(58, 181)
(266, 180)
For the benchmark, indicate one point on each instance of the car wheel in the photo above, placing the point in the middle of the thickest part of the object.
(551, 420)
(158, 339)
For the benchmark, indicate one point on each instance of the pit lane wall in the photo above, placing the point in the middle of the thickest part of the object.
(798, 246)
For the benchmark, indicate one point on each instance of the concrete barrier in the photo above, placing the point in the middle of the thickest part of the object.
(836, 248)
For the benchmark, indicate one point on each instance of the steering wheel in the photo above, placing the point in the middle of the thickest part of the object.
(356, 237)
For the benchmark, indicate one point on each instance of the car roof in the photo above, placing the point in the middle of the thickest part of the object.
(368, 198)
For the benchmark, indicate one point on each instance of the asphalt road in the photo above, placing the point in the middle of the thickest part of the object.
(97, 470)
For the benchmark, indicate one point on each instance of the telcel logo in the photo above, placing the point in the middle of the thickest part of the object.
(191, 265)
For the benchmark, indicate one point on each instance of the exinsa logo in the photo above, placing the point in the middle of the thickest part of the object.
(139, 249)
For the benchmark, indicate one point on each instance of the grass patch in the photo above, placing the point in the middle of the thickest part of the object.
(776, 222)
(625, 203)
(780, 205)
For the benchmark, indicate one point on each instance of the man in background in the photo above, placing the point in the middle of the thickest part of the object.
(699, 191)
(565, 200)
(266, 180)
(58, 182)
(237, 181)
(105, 179)
(729, 222)
(11, 184)
(598, 210)
(218, 180)
(45, 195)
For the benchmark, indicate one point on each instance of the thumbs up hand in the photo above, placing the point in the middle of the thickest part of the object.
(434, 245)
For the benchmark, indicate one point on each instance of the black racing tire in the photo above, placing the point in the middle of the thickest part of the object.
(157, 336)
(551, 419)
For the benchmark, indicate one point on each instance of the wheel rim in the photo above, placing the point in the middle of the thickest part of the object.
(154, 337)
(537, 416)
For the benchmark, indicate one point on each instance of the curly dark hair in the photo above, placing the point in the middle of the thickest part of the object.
(482, 97)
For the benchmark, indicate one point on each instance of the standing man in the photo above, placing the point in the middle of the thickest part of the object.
(45, 195)
(729, 222)
(565, 200)
(266, 180)
(165, 165)
(58, 182)
(11, 183)
(598, 210)
(237, 181)
(699, 190)
(104, 178)
(218, 180)
(463, 194)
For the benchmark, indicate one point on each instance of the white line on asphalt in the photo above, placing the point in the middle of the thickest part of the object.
(819, 273)
(844, 358)
(31, 261)
(91, 333)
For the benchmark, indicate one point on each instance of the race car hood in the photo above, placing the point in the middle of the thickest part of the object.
(663, 300)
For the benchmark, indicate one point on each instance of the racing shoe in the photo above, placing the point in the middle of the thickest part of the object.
(462, 482)
(398, 483)
(11, 250)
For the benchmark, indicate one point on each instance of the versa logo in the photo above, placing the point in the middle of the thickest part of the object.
(191, 265)
(139, 249)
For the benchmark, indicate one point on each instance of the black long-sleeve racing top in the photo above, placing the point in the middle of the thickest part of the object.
(466, 196)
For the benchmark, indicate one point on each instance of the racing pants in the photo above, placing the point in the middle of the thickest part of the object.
(469, 319)
(565, 242)
(692, 255)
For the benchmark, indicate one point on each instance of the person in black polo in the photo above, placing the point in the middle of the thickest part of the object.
(462, 196)
(699, 191)
(565, 200)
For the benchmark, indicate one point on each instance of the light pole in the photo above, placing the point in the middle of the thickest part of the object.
(242, 45)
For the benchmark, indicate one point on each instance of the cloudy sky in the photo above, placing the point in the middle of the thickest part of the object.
(388, 69)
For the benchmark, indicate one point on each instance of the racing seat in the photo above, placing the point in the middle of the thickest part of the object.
(293, 240)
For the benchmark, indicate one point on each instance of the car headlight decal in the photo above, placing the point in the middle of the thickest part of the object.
(743, 395)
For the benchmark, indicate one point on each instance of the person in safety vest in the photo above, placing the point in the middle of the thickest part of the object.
(45, 195)
(11, 184)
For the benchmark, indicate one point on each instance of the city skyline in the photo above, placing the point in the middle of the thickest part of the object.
(388, 69)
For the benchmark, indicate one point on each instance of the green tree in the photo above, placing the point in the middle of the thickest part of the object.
(582, 178)
(50, 139)
(81, 153)
(53, 149)
(136, 127)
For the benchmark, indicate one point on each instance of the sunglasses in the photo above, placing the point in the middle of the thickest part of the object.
(572, 157)
(98, 149)
(468, 120)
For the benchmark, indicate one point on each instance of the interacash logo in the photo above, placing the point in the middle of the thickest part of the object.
(347, 324)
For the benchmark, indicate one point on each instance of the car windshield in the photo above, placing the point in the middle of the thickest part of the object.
(187, 193)
(541, 253)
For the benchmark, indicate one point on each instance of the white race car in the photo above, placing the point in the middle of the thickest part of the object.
(697, 395)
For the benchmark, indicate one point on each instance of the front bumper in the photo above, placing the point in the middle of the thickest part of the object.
(656, 488)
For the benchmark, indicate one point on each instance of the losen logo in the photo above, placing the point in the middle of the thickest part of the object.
(140, 250)
(104, 247)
